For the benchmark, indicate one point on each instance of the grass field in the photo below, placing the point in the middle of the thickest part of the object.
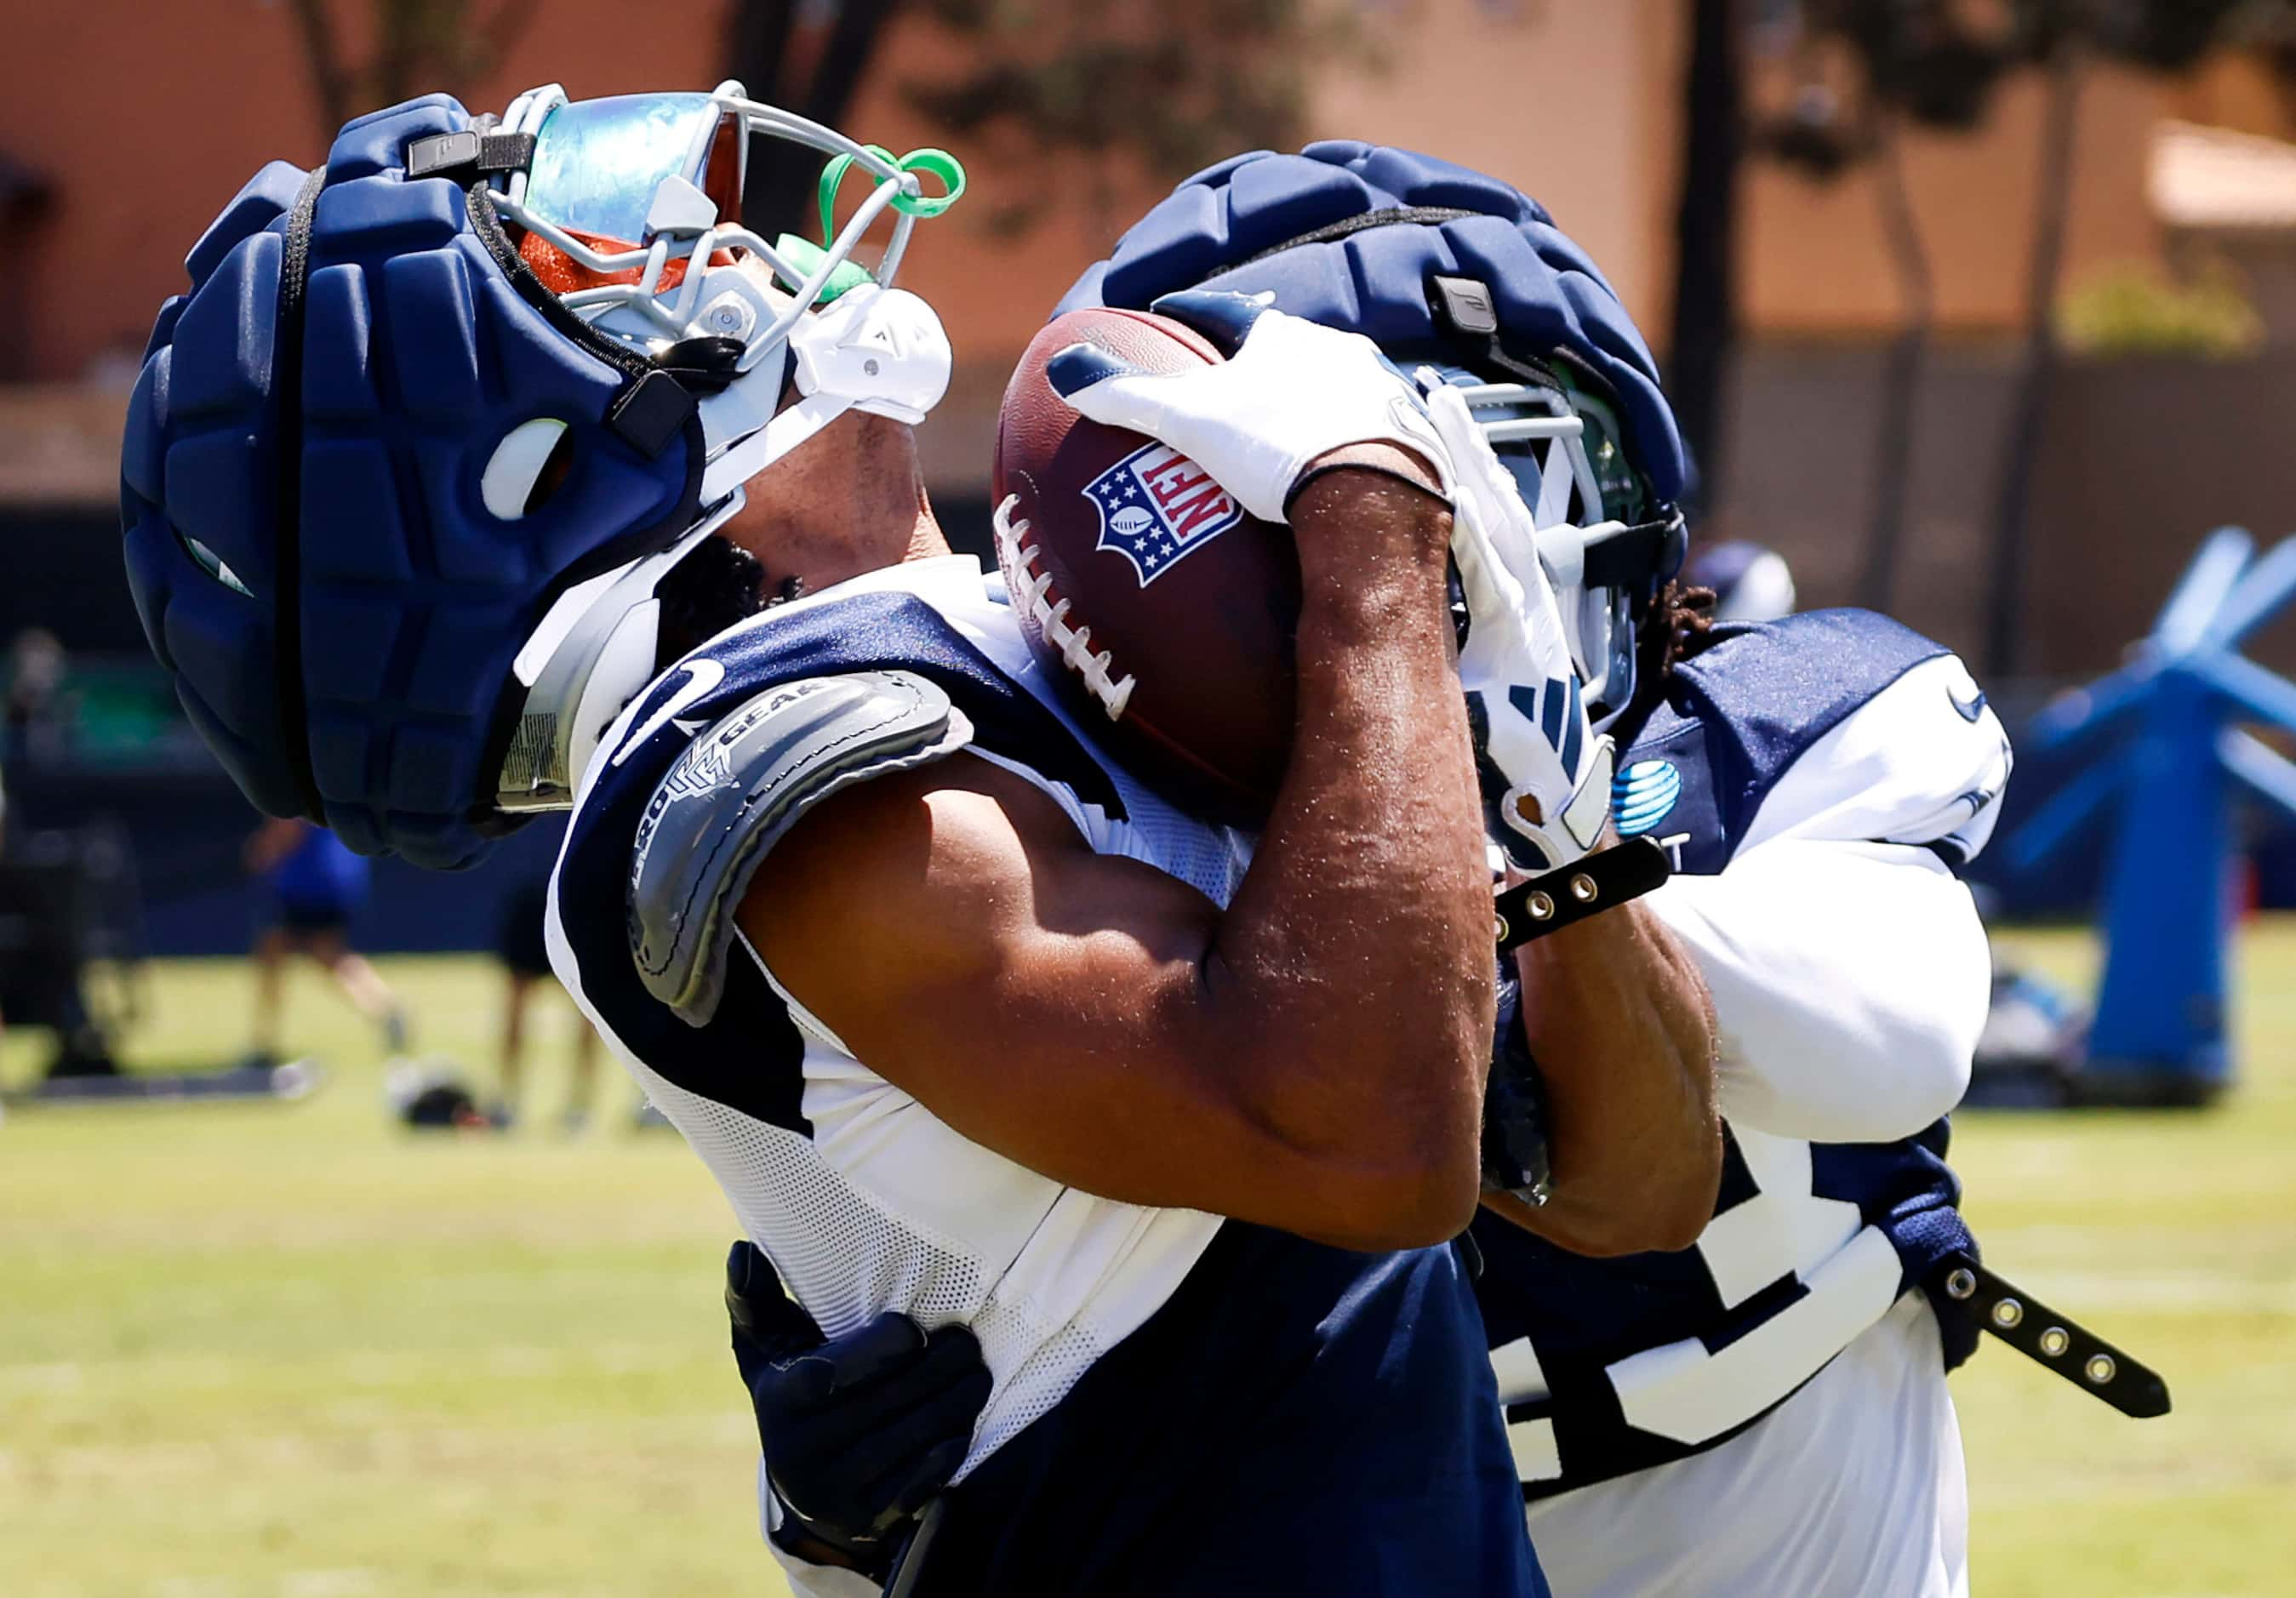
(285, 1350)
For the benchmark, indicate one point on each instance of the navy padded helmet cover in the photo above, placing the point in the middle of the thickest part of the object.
(1548, 293)
(418, 355)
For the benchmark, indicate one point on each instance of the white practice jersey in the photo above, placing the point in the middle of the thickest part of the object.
(864, 1200)
(1152, 1368)
(1816, 781)
(1851, 1488)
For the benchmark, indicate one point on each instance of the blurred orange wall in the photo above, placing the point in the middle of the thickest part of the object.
(147, 115)
(1813, 256)
(1572, 102)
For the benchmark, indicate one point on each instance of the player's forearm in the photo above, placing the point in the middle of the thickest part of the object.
(1353, 966)
(1617, 1017)
(1849, 984)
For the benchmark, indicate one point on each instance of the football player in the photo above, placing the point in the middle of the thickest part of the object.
(455, 490)
(1765, 1412)
(316, 886)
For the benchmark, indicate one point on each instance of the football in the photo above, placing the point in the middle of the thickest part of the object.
(1167, 614)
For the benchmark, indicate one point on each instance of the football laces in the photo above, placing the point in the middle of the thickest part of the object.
(1032, 591)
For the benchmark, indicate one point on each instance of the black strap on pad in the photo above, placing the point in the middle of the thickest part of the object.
(2050, 1338)
(469, 154)
(1639, 557)
(1600, 881)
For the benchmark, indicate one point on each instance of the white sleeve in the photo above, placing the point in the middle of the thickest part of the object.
(1849, 981)
(1848, 968)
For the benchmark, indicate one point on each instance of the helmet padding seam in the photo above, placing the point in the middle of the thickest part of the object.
(287, 390)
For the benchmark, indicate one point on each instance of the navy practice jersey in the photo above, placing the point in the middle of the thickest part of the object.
(1181, 1403)
(1835, 725)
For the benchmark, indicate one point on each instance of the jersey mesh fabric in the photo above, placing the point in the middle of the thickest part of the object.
(1210, 859)
(841, 1255)
(863, 1199)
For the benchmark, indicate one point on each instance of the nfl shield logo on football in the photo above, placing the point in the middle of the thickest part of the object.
(1156, 505)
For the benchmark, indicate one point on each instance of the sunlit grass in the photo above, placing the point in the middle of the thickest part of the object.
(285, 1349)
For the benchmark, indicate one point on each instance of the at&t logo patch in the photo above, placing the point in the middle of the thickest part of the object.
(1644, 795)
(1157, 506)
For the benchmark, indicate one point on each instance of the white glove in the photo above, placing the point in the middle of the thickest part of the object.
(1546, 775)
(1290, 391)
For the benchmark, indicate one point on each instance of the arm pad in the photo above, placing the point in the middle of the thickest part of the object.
(738, 789)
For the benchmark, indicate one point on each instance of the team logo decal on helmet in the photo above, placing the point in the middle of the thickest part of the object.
(1156, 507)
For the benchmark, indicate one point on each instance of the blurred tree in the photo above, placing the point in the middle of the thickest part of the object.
(1705, 331)
(1930, 63)
(2134, 309)
(1914, 62)
(1127, 86)
(419, 45)
(807, 56)
(2059, 36)
(1130, 88)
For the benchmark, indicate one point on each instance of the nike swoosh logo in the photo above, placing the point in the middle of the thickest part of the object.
(701, 677)
(1970, 708)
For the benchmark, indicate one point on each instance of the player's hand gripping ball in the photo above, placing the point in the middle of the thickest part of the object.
(1166, 610)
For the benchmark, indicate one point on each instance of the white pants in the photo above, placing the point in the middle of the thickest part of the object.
(1851, 1488)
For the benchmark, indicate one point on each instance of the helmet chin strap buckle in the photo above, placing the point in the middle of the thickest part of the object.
(880, 350)
(874, 349)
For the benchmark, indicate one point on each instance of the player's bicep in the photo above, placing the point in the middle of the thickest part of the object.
(952, 928)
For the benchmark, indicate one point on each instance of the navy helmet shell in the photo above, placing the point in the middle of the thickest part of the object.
(1250, 224)
(308, 537)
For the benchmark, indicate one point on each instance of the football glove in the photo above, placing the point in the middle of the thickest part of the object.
(1516, 1146)
(1545, 774)
(1289, 392)
(860, 1431)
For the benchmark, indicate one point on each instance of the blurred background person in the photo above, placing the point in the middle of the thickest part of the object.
(37, 711)
(315, 885)
(1749, 583)
(526, 966)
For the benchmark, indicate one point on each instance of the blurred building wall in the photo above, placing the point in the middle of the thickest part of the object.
(2140, 459)
(1814, 257)
(143, 118)
(147, 115)
(2238, 92)
(1573, 105)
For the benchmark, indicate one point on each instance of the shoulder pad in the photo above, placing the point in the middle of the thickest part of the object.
(1840, 724)
(1924, 761)
(738, 788)
(1780, 685)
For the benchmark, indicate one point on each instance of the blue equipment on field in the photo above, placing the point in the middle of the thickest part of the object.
(2160, 735)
